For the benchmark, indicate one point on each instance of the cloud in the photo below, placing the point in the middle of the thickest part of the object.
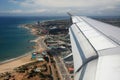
(13, 1)
(15, 11)
(12, 11)
(24, 12)
(39, 11)
(66, 3)
(85, 7)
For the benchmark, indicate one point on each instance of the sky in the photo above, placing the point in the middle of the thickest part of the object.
(59, 7)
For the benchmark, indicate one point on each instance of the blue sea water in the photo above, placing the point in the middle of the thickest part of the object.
(14, 41)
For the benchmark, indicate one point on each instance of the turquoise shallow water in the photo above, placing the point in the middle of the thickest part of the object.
(14, 41)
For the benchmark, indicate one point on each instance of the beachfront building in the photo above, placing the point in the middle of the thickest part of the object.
(38, 56)
(95, 49)
(33, 56)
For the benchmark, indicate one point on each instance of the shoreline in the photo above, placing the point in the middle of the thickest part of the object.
(23, 55)
(16, 58)
(10, 64)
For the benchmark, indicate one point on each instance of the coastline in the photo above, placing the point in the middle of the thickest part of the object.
(16, 58)
(10, 64)
(52, 41)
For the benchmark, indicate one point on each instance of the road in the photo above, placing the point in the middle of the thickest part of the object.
(62, 69)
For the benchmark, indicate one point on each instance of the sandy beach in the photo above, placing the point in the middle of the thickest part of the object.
(10, 65)
(13, 63)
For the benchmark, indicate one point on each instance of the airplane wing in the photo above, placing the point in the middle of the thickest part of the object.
(95, 48)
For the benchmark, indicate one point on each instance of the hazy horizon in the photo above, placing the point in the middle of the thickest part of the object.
(59, 7)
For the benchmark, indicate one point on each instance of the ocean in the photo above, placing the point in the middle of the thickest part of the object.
(14, 40)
